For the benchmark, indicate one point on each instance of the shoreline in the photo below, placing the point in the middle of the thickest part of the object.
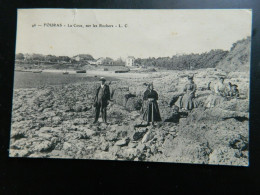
(95, 73)
(29, 80)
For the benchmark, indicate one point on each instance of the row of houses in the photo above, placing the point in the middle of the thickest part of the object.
(130, 61)
(79, 59)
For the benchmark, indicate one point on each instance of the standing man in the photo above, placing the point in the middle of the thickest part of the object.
(101, 100)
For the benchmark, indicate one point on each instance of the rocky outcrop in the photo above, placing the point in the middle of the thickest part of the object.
(133, 103)
(56, 122)
(123, 97)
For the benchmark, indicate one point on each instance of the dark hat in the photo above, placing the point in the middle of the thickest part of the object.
(102, 79)
(221, 77)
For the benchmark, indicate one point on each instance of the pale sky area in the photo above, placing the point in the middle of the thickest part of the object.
(149, 33)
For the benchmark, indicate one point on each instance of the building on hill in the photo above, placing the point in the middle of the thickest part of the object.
(77, 58)
(82, 57)
(100, 61)
(92, 62)
(108, 61)
(130, 61)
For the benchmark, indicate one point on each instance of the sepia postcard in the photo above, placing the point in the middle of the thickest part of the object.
(133, 85)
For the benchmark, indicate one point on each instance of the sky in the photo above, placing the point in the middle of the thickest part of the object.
(143, 33)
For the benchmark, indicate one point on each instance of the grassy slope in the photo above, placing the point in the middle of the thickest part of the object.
(238, 59)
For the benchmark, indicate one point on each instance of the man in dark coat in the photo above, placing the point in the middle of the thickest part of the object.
(151, 108)
(101, 100)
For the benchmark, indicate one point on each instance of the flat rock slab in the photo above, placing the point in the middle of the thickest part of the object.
(122, 142)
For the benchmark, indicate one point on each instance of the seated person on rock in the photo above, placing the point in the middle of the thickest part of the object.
(150, 106)
(228, 89)
(187, 101)
(232, 91)
(235, 91)
(219, 94)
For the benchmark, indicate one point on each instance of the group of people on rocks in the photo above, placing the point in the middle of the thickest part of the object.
(221, 93)
(186, 102)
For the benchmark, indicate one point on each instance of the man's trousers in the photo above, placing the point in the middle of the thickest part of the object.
(103, 112)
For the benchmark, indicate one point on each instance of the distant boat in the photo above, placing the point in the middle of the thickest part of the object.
(121, 71)
(80, 71)
(37, 71)
(65, 72)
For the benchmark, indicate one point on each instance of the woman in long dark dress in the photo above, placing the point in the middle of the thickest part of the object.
(150, 105)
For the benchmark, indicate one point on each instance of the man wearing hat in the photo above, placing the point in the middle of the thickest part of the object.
(101, 100)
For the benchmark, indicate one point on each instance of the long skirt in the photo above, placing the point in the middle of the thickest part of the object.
(187, 102)
(151, 112)
(214, 100)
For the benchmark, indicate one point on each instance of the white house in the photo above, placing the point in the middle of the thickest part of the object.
(77, 58)
(100, 61)
(130, 61)
(92, 62)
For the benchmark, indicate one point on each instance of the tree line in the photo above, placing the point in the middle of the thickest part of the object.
(53, 58)
(50, 58)
(186, 61)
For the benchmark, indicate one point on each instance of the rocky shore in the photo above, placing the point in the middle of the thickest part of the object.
(56, 122)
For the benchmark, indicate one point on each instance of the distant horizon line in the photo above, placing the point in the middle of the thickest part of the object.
(120, 57)
(178, 54)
